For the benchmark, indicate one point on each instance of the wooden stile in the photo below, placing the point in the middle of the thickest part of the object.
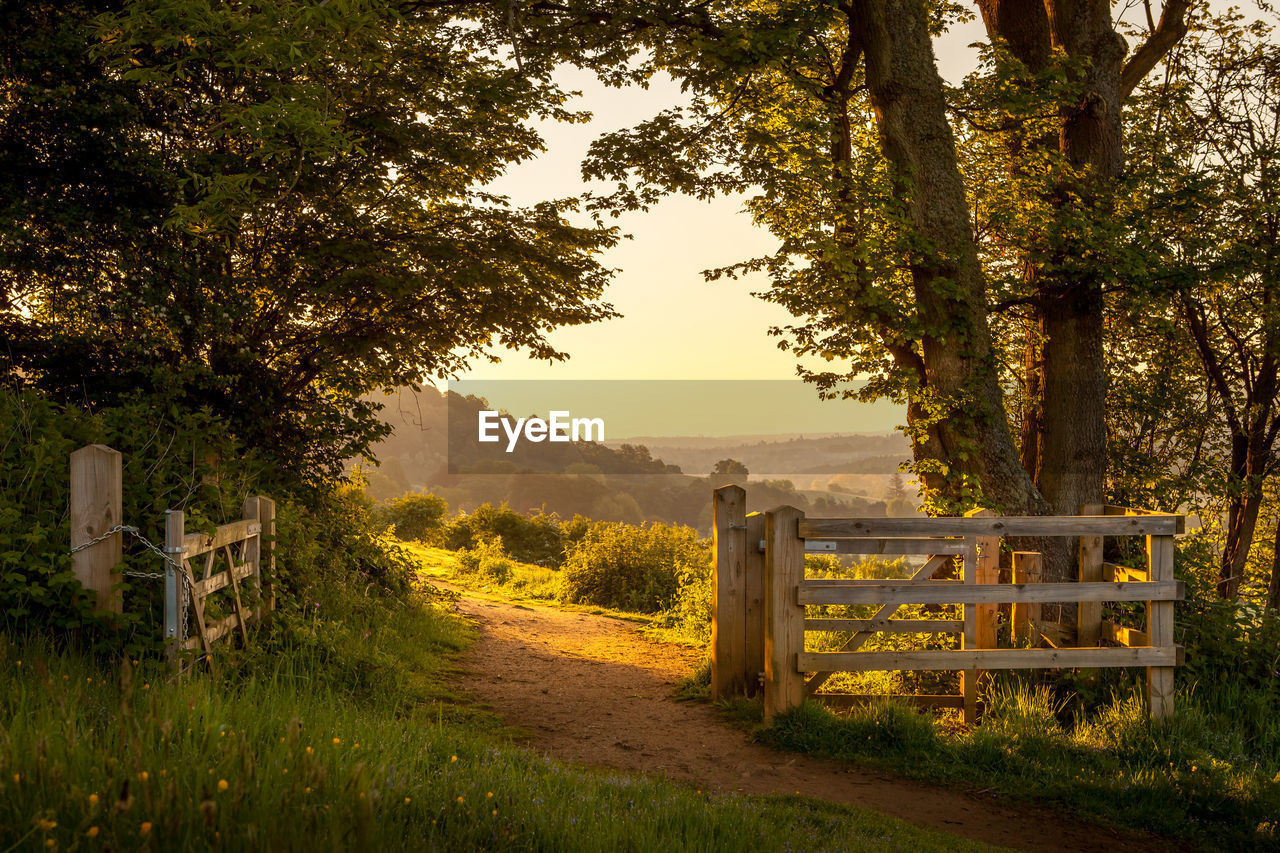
(96, 507)
(729, 593)
(784, 617)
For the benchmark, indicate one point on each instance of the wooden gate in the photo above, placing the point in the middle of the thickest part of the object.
(760, 595)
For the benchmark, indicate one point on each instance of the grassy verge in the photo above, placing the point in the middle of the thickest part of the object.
(338, 732)
(1115, 767)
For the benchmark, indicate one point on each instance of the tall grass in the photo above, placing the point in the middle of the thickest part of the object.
(337, 732)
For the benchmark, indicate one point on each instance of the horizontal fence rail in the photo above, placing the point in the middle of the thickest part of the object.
(760, 595)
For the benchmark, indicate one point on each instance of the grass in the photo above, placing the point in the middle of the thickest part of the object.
(340, 732)
(1114, 766)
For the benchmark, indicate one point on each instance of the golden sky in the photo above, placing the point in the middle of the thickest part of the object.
(675, 324)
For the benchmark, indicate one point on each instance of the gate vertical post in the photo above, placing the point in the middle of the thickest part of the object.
(1027, 568)
(1089, 613)
(174, 534)
(96, 506)
(783, 614)
(1160, 627)
(754, 664)
(729, 593)
(981, 566)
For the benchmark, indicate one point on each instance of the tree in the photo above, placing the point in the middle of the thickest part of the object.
(271, 209)
(837, 114)
(1213, 124)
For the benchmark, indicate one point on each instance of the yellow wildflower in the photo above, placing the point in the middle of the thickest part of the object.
(46, 825)
(337, 741)
(143, 775)
(407, 801)
(146, 827)
(222, 785)
(92, 832)
(93, 799)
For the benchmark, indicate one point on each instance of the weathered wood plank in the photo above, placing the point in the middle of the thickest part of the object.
(729, 592)
(1027, 568)
(893, 626)
(1089, 570)
(857, 640)
(893, 547)
(783, 616)
(96, 506)
(196, 544)
(943, 592)
(1114, 572)
(221, 580)
(988, 572)
(235, 595)
(977, 659)
(215, 631)
(1126, 510)
(1160, 685)
(1013, 525)
(1122, 635)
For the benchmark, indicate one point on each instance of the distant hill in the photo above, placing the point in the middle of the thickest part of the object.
(851, 453)
(432, 447)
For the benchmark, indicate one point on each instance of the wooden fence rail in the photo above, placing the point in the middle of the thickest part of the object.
(760, 591)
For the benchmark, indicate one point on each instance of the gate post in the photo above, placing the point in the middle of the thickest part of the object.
(175, 524)
(981, 566)
(1160, 627)
(754, 664)
(96, 507)
(729, 592)
(783, 614)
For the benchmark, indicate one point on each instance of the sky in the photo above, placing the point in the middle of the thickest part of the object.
(675, 325)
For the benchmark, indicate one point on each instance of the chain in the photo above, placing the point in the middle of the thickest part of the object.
(150, 546)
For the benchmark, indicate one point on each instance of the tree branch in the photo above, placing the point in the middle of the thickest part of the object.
(1170, 30)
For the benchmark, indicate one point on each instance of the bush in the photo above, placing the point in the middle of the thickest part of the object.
(535, 539)
(487, 563)
(413, 515)
(633, 567)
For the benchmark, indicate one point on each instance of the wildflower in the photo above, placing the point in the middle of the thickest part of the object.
(93, 800)
(453, 758)
(284, 772)
(310, 750)
(92, 832)
(306, 790)
(357, 746)
(407, 801)
(17, 778)
(143, 775)
(460, 800)
(489, 796)
(50, 843)
(146, 686)
(46, 825)
(337, 741)
(222, 785)
(146, 827)
(495, 812)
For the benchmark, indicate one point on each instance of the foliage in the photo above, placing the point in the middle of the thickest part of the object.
(413, 515)
(271, 209)
(632, 567)
(530, 539)
(486, 564)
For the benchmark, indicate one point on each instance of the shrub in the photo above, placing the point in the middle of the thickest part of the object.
(535, 539)
(633, 567)
(414, 515)
(487, 563)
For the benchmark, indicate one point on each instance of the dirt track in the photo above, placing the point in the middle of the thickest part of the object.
(591, 690)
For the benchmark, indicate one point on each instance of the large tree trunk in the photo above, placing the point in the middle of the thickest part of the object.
(960, 411)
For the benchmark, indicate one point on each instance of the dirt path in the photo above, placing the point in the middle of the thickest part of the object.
(591, 690)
